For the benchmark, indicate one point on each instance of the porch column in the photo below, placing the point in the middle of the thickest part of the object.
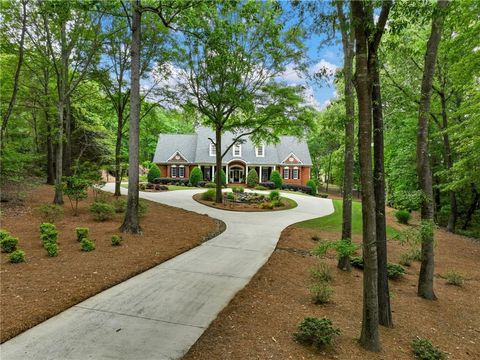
(261, 174)
(274, 167)
(213, 173)
(226, 173)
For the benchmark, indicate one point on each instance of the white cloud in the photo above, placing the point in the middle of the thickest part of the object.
(291, 75)
(309, 98)
(324, 66)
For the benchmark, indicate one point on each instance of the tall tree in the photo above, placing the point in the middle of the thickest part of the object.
(424, 172)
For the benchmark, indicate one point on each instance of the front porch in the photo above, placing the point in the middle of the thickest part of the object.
(236, 172)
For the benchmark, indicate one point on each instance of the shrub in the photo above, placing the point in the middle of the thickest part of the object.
(267, 205)
(405, 259)
(210, 185)
(407, 200)
(52, 249)
(171, 181)
(17, 256)
(75, 187)
(159, 187)
(230, 196)
(403, 216)
(82, 233)
(321, 292)
(260, 187)
(102, 211)
(317, 332)
(87, 245)
(424, 350)
(343, 248)
(142, 207)
(195, 176)
(321, 272)
(277, 203)
(238, 189)
(208, 195)
(50, 212)
(268, 184)
(356, 262)
(316, 238)
(201, 183)
(395, 271)
(150, 186)
(323, 195)
(153, 173)
(416, 254)
(9, 244)
(274, 195)
(295, 187)
(120, 205)
(454, 278)
(3, 234)
(252, 178)
(48, 233)
(313, 186)
(142, 187)
(116, 240)
(276, 179)
(223, 177)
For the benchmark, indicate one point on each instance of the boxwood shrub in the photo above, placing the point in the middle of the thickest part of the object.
(48, 233)
(102, 211)
(268, 184)
(403, 216)
(208, 195)
(316, 332)
(82, 233)
(18, 256)
(52, 249)
(116, 240)
(313, 186)
(9, 244)
(276, 179)
(195, 176)
(87, 245)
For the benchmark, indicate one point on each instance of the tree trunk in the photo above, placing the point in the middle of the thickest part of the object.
(118, 147)
(369, 338)
(58, 198)
(385, 314)
(348, 42)
(131, 223)
(16, 77)
(473, 206)
(328, 171)
(67, 156)
(218, 160)
(50, 152)
(424, 172)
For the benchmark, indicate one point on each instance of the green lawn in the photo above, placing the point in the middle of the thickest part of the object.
(333, 222)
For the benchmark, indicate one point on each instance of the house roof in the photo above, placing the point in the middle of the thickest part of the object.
(196, 149)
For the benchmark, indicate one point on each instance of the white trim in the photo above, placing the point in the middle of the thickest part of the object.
(183, 169)
(212, 147)
(283, 172)
(233, 160)
(239, 147)
(293, 173)
(178, 153)
(263, 150)
(171, 172)
(292, 155)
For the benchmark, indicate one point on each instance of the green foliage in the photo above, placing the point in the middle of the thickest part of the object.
(48, 233)
(320, 272)
(277, 203)
(52, 249)
(231, 196)
(267, 205)
(153, 173)
(408, 200)
(87, 245)
(82, 233)
(312, 185)
(8, 243)
(343, 248)
(321, 292)
(50, 212)
(102, 211)
(75, 188)
(210, 185)
(3, 234)
(120, 205)
(274, 195)
(252, 178)
(18, 256)
(276, 179)
(142, 207)
(238, 189)
(403, 216)
(356, 262)
(223, 178)
(208, 195)
(260, 187)
(196, 175)
(405, 259)
(395, 271)
(116, 240)
(423, 349)
(316, 332)
(454, 278)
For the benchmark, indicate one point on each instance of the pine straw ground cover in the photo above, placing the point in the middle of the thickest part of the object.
(259, 322)
(42, 287)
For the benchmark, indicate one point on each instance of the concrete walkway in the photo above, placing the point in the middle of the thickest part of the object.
(160, 313)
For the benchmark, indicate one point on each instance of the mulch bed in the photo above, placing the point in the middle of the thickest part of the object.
(42, 287)
(259, 322)
(244, 207)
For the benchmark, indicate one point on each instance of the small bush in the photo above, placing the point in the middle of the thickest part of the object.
(277, 203)
(82, 233)
(3, 234)
(276, 179)
(52, 249)
(223, 178)
(323, 195)
(51, 212)
(48, 233)
(316, 238)
(230, 196)
(116, 240)
(210, 185)
(454, 278)
(142, 187)
(403, 216)
(316, 332)
(201, 183)
(150, 186)
(195, 176)
(102, 211)
(274, 195)
(312, 185)
(238, 189)
(321, 272)
(295, 187)
(18, 256)
(208, 195)
(9, 244)
(120, 205)
(424, 350)
(356, 262)
(260, 187)
(343, 248)
(87, 245)
(267, 205)
(268, 184)
(395, 271)
(321, 292)
(153, 173)
(405, 259)
(142, 207)
(416, 254)
(252, 178)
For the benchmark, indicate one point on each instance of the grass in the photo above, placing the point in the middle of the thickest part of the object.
(170, 187)
(289, 202)
(333, 222)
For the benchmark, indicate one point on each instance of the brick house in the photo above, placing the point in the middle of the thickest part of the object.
(178, 154)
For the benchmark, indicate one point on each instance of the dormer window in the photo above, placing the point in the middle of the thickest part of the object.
(260, 151)
(237, 150)
(213, 150)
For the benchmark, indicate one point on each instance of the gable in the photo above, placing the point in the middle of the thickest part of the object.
(177, 157)
(291, 159)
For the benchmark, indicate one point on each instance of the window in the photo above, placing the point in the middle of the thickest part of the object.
(173, 171)
(237, 150)
(295, 173)
(213, 150)
(286, 173)
(181, 171)
(260, 151)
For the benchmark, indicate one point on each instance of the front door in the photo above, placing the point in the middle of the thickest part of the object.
(236, 175)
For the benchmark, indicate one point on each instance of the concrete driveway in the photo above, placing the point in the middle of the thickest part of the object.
(160, 313)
